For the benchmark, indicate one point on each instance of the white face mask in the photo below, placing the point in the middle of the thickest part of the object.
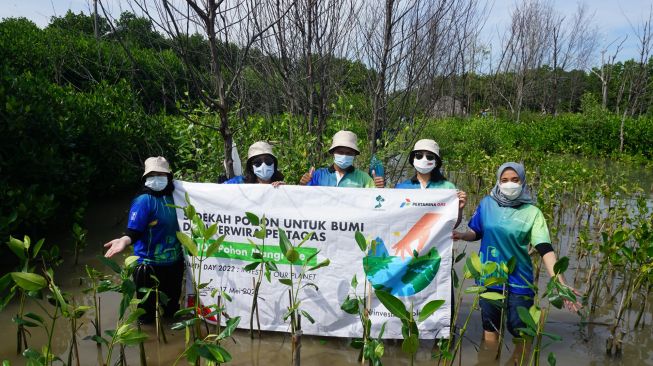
(510, 190)
(264, 172)
(343, 161)
(156, 183)
(424, 165)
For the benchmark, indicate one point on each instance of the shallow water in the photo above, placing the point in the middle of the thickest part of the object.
(581, 345)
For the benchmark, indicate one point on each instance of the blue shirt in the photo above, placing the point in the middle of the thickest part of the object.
(239, 179)
(327, 177)
(506, 232)
(157, 222)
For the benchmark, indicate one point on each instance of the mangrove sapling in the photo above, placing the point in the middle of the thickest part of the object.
(198, 246)
(96, 277)
(295, 312)
(160, 300)
(535, 317)
(371, 349)
(79, 239)
(267, 267)
(207, 347)
(126, 332)
(68, 310)
(25, 281)
(409, 330)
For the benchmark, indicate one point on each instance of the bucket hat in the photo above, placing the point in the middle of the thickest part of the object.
(345, 139)
(156, 164)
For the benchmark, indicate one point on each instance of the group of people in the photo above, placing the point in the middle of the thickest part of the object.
(506, 221)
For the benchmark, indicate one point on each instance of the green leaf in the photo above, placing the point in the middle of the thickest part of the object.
(357, 343)
(308, 316)
(475, 289)
(551, 359)
(260, 234)
(354, 282)
(210, 231)
(251, 266)
(37, 247)
(393, 304)
(17, 247)
(214, 246)
(410, 344)
(29, 281)
(271, 266)
(360, 240)
(188, 243)
(229, 328)
(525, 316)
(555, 337)
(284, 243)
(110, 263)
(36, 317)
(253, 219)
(493, 281)
(491, 295)
(561, 265)
(350, 305)
(292, 255)
(476, 262)
(460, 257)
(429, 309)
(131, 260)
(286, 281)
(382, 331)
(324, 263)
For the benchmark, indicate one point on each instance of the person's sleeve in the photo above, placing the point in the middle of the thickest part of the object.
(449, 185)
(235, 180)
(139, 214)
(315, 179)
(476, 222)
(539, 231)
(369, 181)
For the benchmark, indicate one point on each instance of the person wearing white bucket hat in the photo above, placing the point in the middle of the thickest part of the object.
(261, 166)
(152, 228)
(425, 158)
(342, 173)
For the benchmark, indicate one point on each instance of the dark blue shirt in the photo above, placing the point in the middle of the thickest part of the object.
(157, 222)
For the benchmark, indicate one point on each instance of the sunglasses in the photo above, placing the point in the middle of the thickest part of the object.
(420, 155)
(257, 162)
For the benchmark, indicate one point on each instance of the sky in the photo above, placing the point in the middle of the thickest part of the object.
(614, 19)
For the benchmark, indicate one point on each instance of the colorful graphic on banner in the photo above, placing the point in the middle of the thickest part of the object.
(410, 256)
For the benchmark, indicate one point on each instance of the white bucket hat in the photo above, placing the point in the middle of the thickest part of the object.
(427, 145)
(259, 148)
(156, 164)
(345, 139)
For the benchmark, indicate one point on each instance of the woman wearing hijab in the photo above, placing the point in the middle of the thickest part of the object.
(261, 166)
(426, 160)
(507, 222)
(152, 228)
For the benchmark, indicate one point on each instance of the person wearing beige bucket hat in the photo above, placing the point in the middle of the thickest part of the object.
(152, 228)
(261, 166)
(342, 173)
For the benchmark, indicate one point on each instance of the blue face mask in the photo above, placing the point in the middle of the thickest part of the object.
(264, 172)
(343, 161)
(156, 183)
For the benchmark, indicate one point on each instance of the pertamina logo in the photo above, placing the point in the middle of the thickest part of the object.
(409, 203)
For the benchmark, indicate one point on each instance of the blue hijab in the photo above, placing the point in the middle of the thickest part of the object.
(524, 197)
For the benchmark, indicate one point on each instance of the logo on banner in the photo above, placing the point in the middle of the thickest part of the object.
(409, 268)
(379, 201)
(408, 203)
(405, 203)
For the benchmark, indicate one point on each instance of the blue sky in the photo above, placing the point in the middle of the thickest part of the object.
(613, 18)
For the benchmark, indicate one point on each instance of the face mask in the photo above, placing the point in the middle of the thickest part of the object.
(510, 190)
(424, 165)
(343, 161)
(264, 171)
(156, 183)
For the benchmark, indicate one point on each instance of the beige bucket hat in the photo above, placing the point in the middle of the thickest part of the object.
(345, 139)
(427, 145)
(156, 164)
(259, 148)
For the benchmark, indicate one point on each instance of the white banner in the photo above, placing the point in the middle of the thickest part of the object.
(403, 222)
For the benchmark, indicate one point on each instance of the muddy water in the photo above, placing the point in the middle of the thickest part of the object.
(581, 345)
